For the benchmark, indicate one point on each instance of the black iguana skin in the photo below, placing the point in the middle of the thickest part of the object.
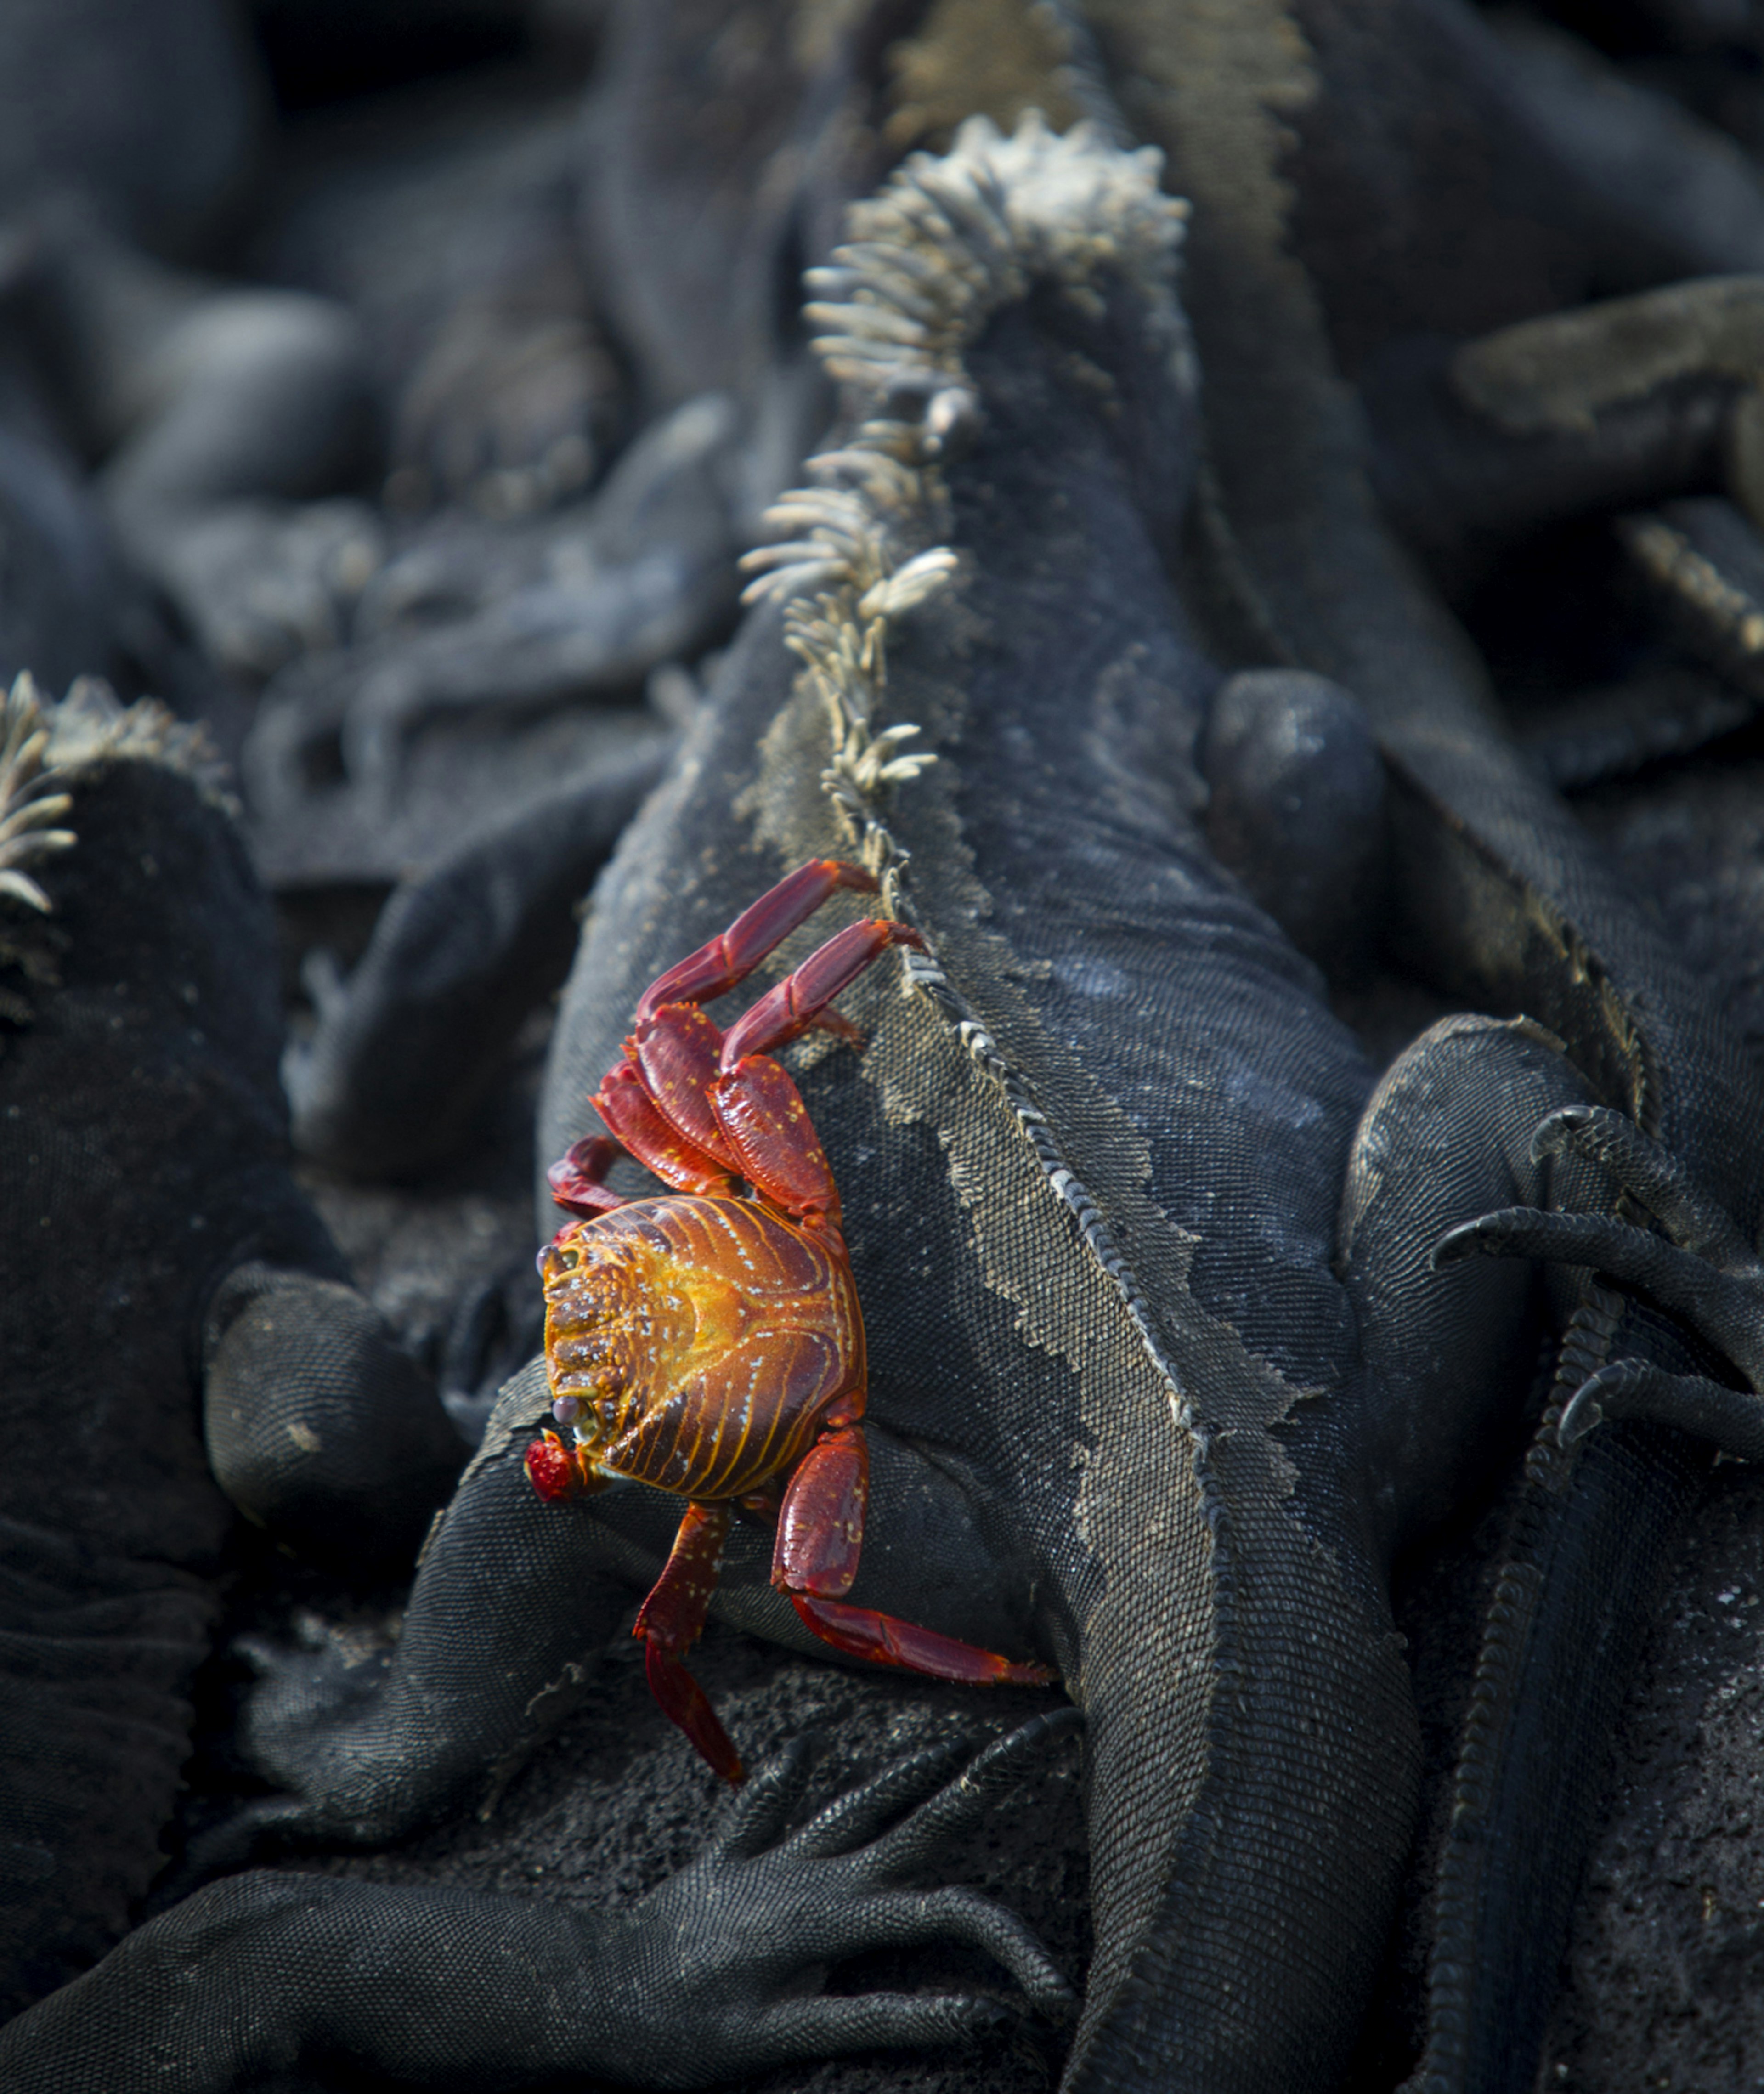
(1161, 1378)
(1511, 918)
(711, 1976)
(174, 1313)
(1208, 1572)
(155, 1247)
(1500, 888)
(397, 1065)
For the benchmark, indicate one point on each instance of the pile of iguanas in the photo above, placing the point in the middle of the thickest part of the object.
(1090, 630)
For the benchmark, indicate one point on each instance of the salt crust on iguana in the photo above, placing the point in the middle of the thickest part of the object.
(1055, 212)
(995, 217)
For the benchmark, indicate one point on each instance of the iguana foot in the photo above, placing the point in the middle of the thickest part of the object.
(310, 1729)
(1700, 1270)
(475, 619)
(312, 1703)
(714, 1975)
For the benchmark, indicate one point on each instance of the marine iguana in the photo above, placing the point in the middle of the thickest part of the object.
(137, 1082)
(1504, 897)
(1412, 119)
(153, 1371)
(1493, 969)
(1162, 1377)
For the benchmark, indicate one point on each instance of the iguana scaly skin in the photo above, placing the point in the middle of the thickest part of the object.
(152, 1238)
(1502, 891)
(1161, 1378)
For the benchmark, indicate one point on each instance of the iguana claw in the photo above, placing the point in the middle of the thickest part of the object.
(1730, 1418)
(1699, 1268)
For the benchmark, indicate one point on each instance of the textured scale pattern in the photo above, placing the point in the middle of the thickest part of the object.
(1161, 1378)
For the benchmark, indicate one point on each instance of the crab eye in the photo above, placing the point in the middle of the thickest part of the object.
(566, 1409)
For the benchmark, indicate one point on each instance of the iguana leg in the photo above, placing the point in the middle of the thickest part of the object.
(714, 1975)
(1700, 561)
(512, 1604)
(1589, 1525)
(1703, 561)
(517, 400)
(142, 1151)
(1614, 405)
(1700, 1270)
(1450, 1358)
(583, 602)
(317, 1425)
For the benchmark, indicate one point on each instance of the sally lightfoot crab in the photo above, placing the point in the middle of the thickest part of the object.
(709, 1341)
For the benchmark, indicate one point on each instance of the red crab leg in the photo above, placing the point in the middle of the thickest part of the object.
(798, 1001)
(767, 1126)
(759, 1108)
(732, 955)
(676, 1054)
(670, 1621)
(820, 1538)
(577, 1182)
(885, 1640)
(624, 1101)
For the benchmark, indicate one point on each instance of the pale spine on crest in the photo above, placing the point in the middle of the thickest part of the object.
(44, 743)
(31, 800)
(947, 244)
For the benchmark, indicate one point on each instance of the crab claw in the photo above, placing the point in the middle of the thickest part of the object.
(551, 1469)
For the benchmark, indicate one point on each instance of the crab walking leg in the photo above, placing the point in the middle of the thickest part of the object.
(820, 1521)
(577, 1182)
(820, 1538)
(662, 1103)
(760, 1114)
(767, 1126)
(800, 1000)
(677, 1051)
(648, 1129)
(732, 955)
(672, 1620)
